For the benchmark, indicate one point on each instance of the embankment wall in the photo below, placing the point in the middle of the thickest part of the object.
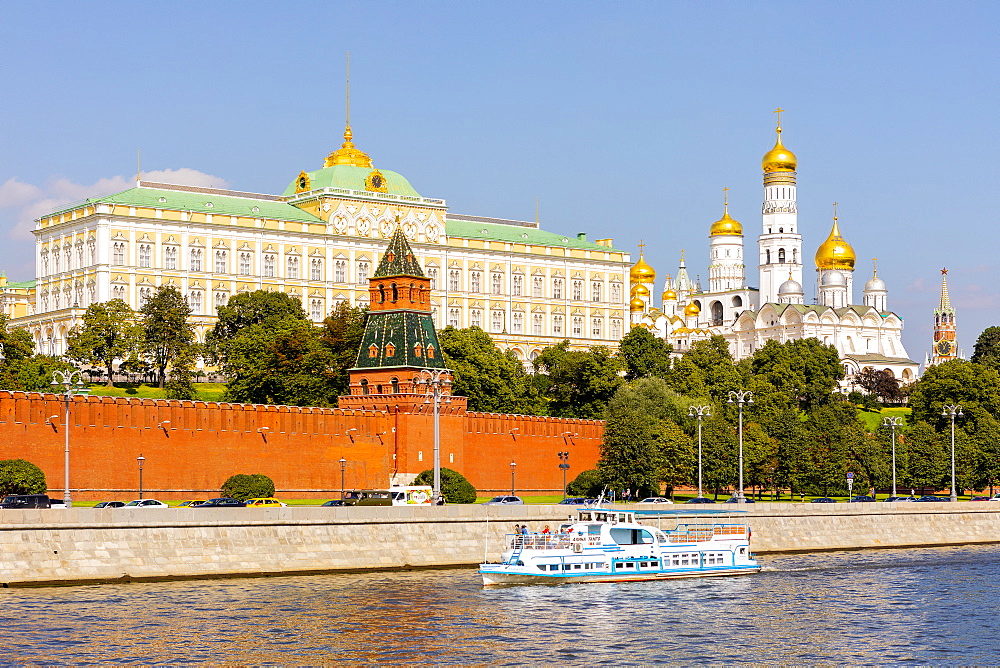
(88, 545)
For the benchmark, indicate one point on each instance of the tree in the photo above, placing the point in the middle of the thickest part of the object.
(879, 383)
(928, 457)
(493, 381)
(242, 486)
(109, 332)
(35, 374)
(588, 484)
(804, 371)
(676, 454)
(454, 486)
(828, 445)
(579, 384)
(18, 476)
(342, 332)
(166, 331)
(706, 371)
(987, 349)
(976, 388)
(18, 348)
(254, 308)
(644, 355)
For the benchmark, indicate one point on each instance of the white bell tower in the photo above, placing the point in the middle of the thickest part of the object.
(780, 244)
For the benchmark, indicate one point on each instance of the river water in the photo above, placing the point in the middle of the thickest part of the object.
(928, 606)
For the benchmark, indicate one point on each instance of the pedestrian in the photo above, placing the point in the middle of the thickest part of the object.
(524, 529)
(546, 530)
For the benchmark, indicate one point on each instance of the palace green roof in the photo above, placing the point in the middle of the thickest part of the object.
(468, 229)
(222, 205)
(350, 177)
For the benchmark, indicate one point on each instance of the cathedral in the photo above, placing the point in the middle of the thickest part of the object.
(865, 335)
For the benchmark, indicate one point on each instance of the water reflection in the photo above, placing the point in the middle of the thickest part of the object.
(893, 606)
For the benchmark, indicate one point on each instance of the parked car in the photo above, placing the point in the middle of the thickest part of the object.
(26, 501)
(656, 499)
(995, 497)
(575, 501)
(145, 503)
(980, 498)
(700, 499)
(932, 498)
(894, 499)
(222, 503)
(734, 499)
(265, 502)
(190, 504)
(861, 499)
(505, 501)
(335, 502)
(823, 499)
(109, 504)
(57, 503)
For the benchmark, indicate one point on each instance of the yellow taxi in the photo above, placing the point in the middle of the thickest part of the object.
(189, 504)
(265, 503)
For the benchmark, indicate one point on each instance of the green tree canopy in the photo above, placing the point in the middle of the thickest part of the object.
(589, 484)
(454, 486)
(706, 371)
(18, 476)
(578, 384)
(18, 348)
(259, 307)
(494, 382)
(167, 332)
(109, 332)
(242, 486)
(803, 371)
(644, 355)
(342, 332)
(987, 349)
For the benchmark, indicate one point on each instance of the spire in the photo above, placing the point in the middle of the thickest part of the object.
(945, 298)
(398, 259)
(347, 154)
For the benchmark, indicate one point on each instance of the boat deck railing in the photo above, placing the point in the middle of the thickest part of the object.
(694, 533)
(549, 541)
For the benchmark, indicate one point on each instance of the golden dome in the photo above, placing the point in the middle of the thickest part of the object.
(779, 158)
(347, 154)
(642, 272)
(835, 253)
(669, 295)
(726, 225)
(692, 309)
(636, 305)
(640, 290)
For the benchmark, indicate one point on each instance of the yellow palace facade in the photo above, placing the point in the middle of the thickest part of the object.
(319, 241)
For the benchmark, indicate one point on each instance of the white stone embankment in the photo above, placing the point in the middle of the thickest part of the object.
(87, 545)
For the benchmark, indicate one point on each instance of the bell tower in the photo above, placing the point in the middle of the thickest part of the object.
(945, 347)
(780, 244)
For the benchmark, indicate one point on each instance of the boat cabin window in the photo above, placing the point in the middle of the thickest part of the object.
(624, 536)
(594, 529)
(660, 537)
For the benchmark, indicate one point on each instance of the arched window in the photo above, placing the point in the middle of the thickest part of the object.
(395, 293)
(364, 386)
(197, 258)
(145, 255)
(395, 385)
(781, 256)
(316, 269)
(767, 256)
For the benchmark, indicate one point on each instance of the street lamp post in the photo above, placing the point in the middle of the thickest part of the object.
(343, 465)
(437, 384)
(564, 465)
(141, 460)
(699, 412)
(892, 423)
(740, 397)
(72, 383)
(950, 411)
(513, 465)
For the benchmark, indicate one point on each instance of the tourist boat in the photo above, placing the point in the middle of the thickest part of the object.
(610, 545)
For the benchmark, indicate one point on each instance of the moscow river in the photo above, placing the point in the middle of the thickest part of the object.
(928, 606)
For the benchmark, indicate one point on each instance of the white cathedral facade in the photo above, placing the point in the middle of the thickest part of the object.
(865, 334)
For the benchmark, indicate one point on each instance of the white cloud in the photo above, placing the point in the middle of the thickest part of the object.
(21, 203)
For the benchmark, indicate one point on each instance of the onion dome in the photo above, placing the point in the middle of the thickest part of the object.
(669, 296)
(692, 309)
(779, 158)
(790, 287)
(726, 225)
(347, 154)
(636, 305)
(640, 290)
(642, 272)
(833, 279)
(875, 284)
(835, 253)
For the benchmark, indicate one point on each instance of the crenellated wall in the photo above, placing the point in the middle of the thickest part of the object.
(191, 447)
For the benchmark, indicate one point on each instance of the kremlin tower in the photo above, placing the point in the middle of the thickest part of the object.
(945, 347)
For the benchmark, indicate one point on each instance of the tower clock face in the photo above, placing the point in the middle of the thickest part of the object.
(943, 347)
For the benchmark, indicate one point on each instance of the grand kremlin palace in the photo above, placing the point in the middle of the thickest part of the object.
(319, 241)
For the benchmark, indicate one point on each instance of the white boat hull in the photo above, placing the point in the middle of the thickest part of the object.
(493, 576)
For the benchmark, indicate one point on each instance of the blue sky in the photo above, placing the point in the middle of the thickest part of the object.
(625, 119)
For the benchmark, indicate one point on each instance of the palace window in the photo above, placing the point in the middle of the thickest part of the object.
(56, 301)
(595, 291)
(45, 263)
(268, 266)
(475, 281)
(432, 273)
(518, 285)
(221, 299)
(316, 269)
(145, 256)
(92, 249)
(316, 308)
(79, 254)
(196, 301)
(577, 289)
(596, 328)
(118, 253)
(616, 292)
(245, 262)
(145, 294)
(497, 283)
(517, 320)
(476, 318)
(537, 286)
(454, 280)
(221, 261)
(196, 259)
(170, 257)
(363, 271)
(79, 295)
(616, 329)
(69, 259)
(497, 321)
(577, 325)
(340, 271)
(453, 317)
(91, 294)
(55, 260)
(292, 267)
(557, 325)
(557, 288)
(118, 292)
(537, 322)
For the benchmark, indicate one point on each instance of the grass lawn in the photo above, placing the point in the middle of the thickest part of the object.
(873, 420)
(206, 391)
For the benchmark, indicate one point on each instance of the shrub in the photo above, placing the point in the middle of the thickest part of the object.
(588, 484)
(18, 476)
(454, 487)
(242, 486)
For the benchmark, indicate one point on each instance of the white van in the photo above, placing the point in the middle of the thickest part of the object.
(413, 495)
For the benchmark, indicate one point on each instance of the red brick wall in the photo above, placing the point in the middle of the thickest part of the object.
(299, 448)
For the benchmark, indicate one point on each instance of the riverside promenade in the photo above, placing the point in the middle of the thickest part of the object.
(81, 545)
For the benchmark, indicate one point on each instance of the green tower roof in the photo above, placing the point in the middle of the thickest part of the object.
(398, 259)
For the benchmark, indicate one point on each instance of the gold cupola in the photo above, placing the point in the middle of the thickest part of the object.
(779, 158)
(692, 309)
(641, 272)
(640, 290)
(347, 154)
(636, 305)
(726, 225)
(669, 296)
(835, 252)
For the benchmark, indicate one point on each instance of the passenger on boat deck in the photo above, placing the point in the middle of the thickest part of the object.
(524, 529)
(546, 530)
(517, 528)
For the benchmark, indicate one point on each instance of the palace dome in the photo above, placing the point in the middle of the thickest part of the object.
(726, 225)
(641, 272)
(692, 309)
(779, 158)
(835, 253)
